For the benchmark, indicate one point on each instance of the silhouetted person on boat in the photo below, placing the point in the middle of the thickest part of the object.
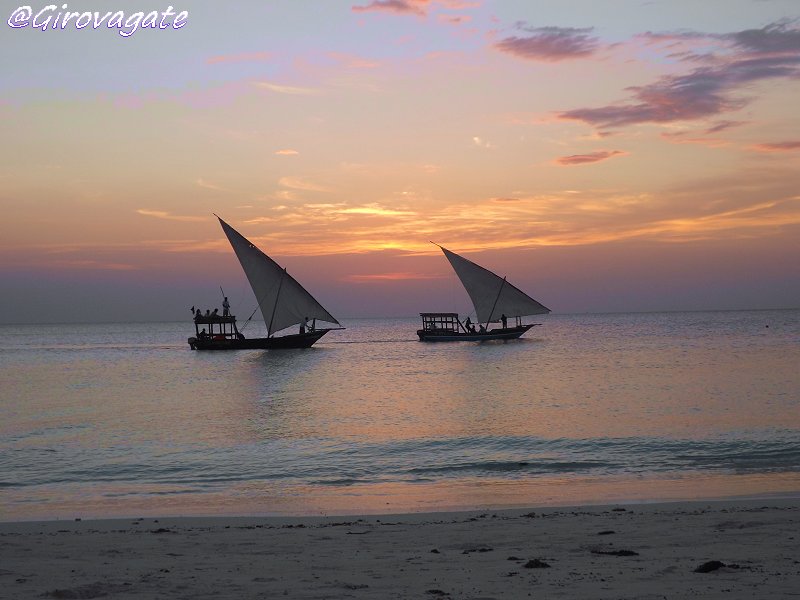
(226, 307)
(214, 314)
(504, 320)
(203, 335)
(208, 312)
(303, 325)
(469, 325)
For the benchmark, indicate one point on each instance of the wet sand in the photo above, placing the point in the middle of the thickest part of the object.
(724, 549)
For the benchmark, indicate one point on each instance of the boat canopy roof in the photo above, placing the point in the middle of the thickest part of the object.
(206, 320)
(439, 314)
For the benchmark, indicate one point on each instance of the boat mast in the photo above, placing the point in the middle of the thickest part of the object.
(274, 308)
(491, 314)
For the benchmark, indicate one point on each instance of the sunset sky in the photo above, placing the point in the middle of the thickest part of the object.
(605, 156)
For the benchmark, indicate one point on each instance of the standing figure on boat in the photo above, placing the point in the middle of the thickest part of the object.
(504, 320)
(226, 307)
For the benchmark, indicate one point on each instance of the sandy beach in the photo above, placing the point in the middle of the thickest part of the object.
(723, 549)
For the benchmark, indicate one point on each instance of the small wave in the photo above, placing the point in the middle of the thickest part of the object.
(340, 482)
(510, 466)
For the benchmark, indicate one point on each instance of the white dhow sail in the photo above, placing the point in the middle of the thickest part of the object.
(491, 295)
(283, 301)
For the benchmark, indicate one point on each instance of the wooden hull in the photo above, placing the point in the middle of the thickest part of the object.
(509, 333)
(284, 342)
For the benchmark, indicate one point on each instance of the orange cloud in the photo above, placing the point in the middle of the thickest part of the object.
(399, 7)
(390, 277)
(93, 265)
(752, 203)
(209, 186)
(160, 214)
(592, 157)
(374, 209)
(296, 183)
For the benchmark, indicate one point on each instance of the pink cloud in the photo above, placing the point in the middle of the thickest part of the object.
(196, 98)
(777, 147)
(454, 19)
(592, 157)
(551, 44)
(419, 8)
(682, 137)
(353, 62)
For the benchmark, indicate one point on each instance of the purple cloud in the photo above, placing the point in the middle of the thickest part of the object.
(768, 53)
(551, 44)
(592, 157)
(775, 38)
(723, 125)
(778, 147)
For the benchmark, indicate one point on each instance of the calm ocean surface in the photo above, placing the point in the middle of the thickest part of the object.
(125, 420)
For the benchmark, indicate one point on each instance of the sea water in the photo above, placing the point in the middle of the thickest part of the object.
(106, 420)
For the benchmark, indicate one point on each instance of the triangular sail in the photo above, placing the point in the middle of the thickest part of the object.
(491, 295)
(283, 301)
